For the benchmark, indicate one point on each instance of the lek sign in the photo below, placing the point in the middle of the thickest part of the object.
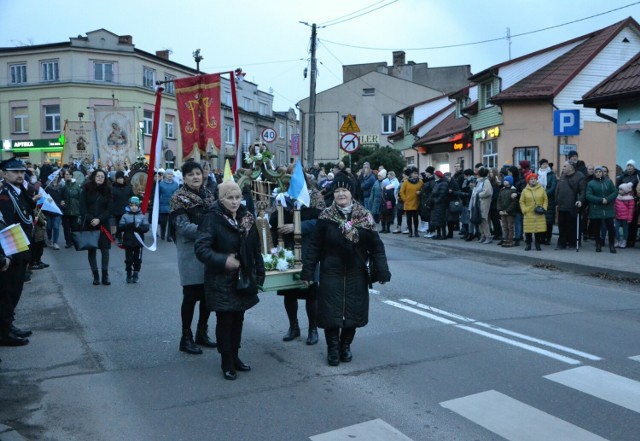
(566, 122)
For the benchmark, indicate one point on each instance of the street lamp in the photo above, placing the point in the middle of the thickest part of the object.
(198, 58)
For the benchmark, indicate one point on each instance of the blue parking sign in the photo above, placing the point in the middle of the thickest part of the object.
(566, 122)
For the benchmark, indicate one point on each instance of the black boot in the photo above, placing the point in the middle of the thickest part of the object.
(202, 337)
(527, 247)
(598, 245)
(105, 278)
(134, 277)
(312, 338)
(238, 364)
(538, 248)
(228, 368)
(415, 232)
(346, 338)
(332, 337)
(187, 344)
(96, 277)
(612, 248)
(129, 280)
(293, 332)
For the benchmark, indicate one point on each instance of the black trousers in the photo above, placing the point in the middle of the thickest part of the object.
(567, 229)
(192, 294)
(633, 227)
(93, 259)
(67, 223)
(132, 258)
(163, 220)
(229, 330)
(37, 250)
(11, 284)
(608, 224)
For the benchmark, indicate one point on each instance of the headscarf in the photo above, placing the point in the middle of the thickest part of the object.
(360, 217)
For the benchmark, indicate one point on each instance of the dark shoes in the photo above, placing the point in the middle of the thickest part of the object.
(527, 246)
(229, 375)
(312, 338)
(12, 339)
(22, 333)
(241, 366)
(129, 279)
(134, 277)
(345, 353)
(538, 248)
(292, 333)
(96, 277)
(105, 278)
(202, 338)
(187, 344)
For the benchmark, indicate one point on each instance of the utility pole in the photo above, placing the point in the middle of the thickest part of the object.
(311, 140)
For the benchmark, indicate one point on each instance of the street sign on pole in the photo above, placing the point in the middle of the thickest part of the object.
(349, 125)
(349, 142)
(268, 135)
(566, 122)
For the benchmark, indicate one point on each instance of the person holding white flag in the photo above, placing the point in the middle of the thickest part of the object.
(51, 202)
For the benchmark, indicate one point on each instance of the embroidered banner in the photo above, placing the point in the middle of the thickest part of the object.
(115, 135)
(79, 143)
(199, 114)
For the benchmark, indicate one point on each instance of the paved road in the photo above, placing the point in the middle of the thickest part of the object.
(462, 345)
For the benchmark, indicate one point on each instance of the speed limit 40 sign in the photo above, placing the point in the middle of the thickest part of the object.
(268, 135)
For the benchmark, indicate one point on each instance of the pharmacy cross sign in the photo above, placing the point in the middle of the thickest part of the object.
(349, 142)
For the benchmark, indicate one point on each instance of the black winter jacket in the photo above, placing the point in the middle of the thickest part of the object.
(343, 294)
(93, 205)
(217, 239)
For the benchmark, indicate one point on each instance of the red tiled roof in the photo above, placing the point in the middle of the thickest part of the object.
(622, 84)
(548, 81)
(447, 127)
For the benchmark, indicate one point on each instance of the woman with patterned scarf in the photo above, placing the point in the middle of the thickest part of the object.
(186, 210)
(352, 257)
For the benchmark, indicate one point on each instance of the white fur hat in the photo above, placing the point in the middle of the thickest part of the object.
(631, 162)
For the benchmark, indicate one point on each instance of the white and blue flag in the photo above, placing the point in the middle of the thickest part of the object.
(298, 186)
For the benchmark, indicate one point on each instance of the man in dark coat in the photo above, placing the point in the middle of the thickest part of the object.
(16, 207)
(570, 196)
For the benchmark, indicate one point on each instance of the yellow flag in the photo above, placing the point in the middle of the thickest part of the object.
(227, 172)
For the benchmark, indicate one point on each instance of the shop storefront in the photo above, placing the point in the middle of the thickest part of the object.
(37, 151)
(445, 153)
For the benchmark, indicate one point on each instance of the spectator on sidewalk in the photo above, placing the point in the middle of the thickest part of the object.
(547, 179)
(167, 187)
(410, 196)
(570, 196)
(624, 206)
(632, 175)
(508, 206)
(534, 222)
(484, 191)
(601, 194)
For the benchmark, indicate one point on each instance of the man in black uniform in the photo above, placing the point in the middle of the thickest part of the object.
(16, 207)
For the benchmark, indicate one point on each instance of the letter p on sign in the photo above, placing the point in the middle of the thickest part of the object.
(566, 122)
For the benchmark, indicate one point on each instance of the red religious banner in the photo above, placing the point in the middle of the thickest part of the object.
(199, 114)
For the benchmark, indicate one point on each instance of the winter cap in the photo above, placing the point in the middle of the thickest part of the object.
(631, 162)
(430, 170)
(525, 164)
(543, 161)
(411, 169)
(439, 174)
(227, 187)
(161, 170)
(626, 187)
(509, 179)
(119, 174)
(330, 175)
(134, 200)
(598, 167)
(382, 174)
(532, 176)
(342, 180)
(572, 153)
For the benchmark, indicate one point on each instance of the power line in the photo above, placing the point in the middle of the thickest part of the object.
(482, 41)
(364, 13)
(336, 20)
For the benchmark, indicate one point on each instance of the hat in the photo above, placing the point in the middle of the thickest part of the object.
(532, 176)
(525, 164)
(631, 162)
(342, 180)
(411, 169)
(330, 175)
(626, 187)
(598, 167)
(509, 179)
(161, 170)
(134, 200)
(14, 164)
(227, 187)
(439, 174)
(119, 174)
(543, 161)
(382, 174)
(572, 153)
(430, 170)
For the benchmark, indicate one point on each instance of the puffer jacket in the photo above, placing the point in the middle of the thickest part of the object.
(121, 195)
(440, 204)
(71, 197)
(408, 194)
(217, 239)
(597, 190)
(131, 223)
(624, 207)
(343, 294)
(529, 198)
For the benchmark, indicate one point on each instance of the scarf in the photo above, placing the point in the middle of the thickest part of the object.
(243, 225)
(186, 198)
(413, 180)
(359, 217)
(542, 177)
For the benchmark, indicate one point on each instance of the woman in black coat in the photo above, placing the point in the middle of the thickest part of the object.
(345, 242)
(96, 208)
(439, 206)
(228, 243)
(122, 192)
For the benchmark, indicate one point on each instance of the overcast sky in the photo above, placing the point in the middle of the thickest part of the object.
(266, 39)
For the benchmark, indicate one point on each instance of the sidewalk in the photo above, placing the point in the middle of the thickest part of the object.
(625, 264)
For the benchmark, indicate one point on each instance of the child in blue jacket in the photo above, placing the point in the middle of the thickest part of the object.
(133, 221)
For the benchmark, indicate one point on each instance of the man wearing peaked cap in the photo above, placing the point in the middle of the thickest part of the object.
(17, 208)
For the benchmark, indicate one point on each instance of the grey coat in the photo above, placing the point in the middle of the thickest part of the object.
(190, 268)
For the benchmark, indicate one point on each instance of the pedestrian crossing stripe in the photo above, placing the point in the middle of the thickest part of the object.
(636, 358)
(374, 430)
(613, 388)
(514, 420)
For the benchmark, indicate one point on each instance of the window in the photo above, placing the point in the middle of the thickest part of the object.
(50, 71)
(526, 153)
(247, 104)
(487, 93)
(370, 91)
(148, 78)
(490, 153)
(281, 133)
(169, 127)
(388, 123)
(148, 122)
(262, 109)
(20, 120)
(461, 104)
(228, 134)
(18, 73)
(246, 139)
(52, 118)
(169, 86)
(227, 98)
(103, 71)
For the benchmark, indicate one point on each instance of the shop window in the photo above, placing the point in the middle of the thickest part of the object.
(490, 153)
(526, 153)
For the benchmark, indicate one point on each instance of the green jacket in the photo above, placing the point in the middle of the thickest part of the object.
(71, 197)
(597, 190)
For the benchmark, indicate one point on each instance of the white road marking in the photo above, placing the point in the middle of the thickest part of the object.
(419, 312)
(374, 430)
(514, 420)
(635, 357)
(614, 388)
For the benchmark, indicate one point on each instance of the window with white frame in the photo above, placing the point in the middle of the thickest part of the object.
(169, 86)
(50, 71)
(52, 118)
(229, 134)
(526, 153)
(246, 139)
(20, 120)
(227, 98)
(388, 123)
(169, 127)
(18, 73)
(487, 93)
(148, 78)
(247, 104)
(490, 153)
(281, 133)
(461, 103)
(103, 71)
(262, 108)
(148, 122)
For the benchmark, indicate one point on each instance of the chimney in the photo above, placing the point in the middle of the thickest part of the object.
(163, 54)
(125, 39)
(398, 58)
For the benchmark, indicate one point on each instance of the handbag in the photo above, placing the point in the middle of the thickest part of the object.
(539, 209)
(85, 240)
(475, 215)
(455, 206)
(246, 283)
